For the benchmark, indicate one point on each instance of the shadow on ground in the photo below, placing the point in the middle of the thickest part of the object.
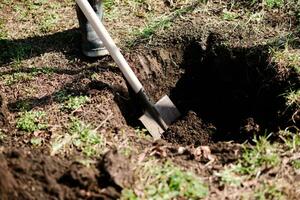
(239, 90)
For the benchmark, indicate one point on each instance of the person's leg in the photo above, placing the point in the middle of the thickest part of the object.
(90, 43)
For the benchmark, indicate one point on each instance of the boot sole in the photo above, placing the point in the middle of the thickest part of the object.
(96, 53)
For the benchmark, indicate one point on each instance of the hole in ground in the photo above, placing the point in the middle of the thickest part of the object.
(234, 93)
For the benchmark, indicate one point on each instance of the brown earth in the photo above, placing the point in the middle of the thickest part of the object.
(30, 175)
(219, 79)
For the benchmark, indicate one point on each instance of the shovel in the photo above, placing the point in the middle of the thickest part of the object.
(157, 116)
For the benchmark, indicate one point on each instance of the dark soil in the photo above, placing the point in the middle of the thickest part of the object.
(233, 92)
(190, 130)
(30, 175)
(222, 81)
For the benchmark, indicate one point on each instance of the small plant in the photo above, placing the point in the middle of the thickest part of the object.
(167, 182)
(291, 140)
(48, 23)
(31, 121)
(141, 132)
(293, 98)
(2, 136)
(16, 77)
(274, 3)
(82, 137)
(296, 164)
(262, 156)
(229, 16)
(3, 32)
(36, 141)
(267, 191)
(228, 177)
(76, 102)
(61, 96)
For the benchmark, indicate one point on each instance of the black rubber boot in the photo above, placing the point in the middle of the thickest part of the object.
(91, 45)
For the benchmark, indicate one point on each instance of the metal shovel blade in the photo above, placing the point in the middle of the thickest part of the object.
(168, 112)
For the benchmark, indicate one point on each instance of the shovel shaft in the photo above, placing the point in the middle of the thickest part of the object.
(110, 45)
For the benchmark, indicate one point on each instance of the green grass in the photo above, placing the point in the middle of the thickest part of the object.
(229, 16)
(25, 74)
(166, 181)
(3, 31)
(14, 52)
(70, 102)
(162, 22)
(274, 3)
(269, 3)
(2, 136)
(291, 140)
(82, 137)
(48, 22)
(262, 155)
(16, 77)
(288, 57)
(296, 164)
(36, 141)
(31, 121)
(75, 102)
(293, 98)
(268, 191)
(228, 176)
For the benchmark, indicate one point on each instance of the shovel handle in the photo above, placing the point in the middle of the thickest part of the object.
(110, 45)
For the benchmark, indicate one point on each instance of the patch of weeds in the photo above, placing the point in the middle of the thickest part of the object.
(274, 3)
(3, 32)
(267, 191)
(43, 70)
(296, 164)
(166, 181)
(287, 58)
(70, 102)
(81, 136)
(15, 52)
(11, 79)
(128, 194)
(36, 141)
(22, 106)
(152, 27)
(126, 151)
(48, 23)
(75, 102)
(31, 121)
(291, 140)
(85, 138)
(229, 16)
(259, 157)
(2, 136)
(229, 177)
(55, 5)
(61, 96)
(293, 98)
(269, 3)
(160, 23)
(141, 132)
(109, 4)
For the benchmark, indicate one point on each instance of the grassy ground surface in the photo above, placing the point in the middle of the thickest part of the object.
(56, 109)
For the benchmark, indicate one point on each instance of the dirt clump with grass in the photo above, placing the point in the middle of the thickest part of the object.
(69, 127)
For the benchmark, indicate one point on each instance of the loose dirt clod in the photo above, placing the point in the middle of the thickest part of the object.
(230, 67)
(118, 169)
(190, 130)
(8, 184)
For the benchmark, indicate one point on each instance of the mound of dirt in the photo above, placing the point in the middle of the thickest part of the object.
(30, 175)
(190, 130)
